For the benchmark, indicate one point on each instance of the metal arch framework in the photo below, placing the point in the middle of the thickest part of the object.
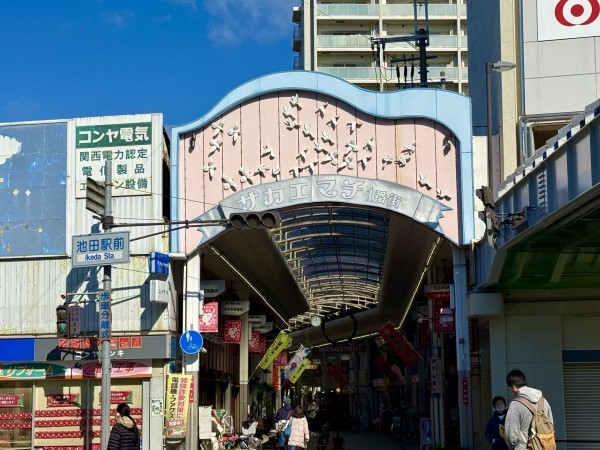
(341, 258)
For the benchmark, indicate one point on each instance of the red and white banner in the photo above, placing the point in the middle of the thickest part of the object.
(208, 321)
(254, 342)
(399, 345)
(262, 344)
(232, 334)
(443, 317)
(437, 291)
(567, 19)
(281, 359)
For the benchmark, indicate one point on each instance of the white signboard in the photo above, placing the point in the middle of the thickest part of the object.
(100, 249)
(264, 328)
(256, 320)
(235, 307)
(212, 288)
(160, 291)
(127, 141)
(567, 19)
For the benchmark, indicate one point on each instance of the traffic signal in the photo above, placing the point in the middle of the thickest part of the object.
(254, 220)
(62, 320)
(492, 225)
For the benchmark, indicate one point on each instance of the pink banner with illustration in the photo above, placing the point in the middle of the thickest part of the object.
(208, 321)
(262, 345)
(254, 342)
(281, 359)
(232, 333)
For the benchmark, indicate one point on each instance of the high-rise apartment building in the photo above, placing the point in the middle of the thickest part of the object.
(336, 37)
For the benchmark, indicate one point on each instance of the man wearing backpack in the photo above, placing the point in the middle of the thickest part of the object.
(520, 419)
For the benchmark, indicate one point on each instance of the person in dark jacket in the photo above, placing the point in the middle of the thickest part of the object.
(282, 418)
(125, 434)
(494, 430)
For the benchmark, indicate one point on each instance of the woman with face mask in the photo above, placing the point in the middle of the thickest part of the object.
(494, 430)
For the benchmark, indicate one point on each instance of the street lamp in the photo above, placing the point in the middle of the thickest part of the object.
(498, 66)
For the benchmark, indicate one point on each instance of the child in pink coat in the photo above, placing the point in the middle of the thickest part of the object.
(300, 433)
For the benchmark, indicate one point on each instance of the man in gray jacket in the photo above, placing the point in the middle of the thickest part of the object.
(518, 417)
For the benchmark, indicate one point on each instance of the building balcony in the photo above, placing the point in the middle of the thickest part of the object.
(326, 11)
(325, 41)
(372, 74)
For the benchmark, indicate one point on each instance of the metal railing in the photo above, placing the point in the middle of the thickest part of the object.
(407, 11)
(372, 73)
(363, 42)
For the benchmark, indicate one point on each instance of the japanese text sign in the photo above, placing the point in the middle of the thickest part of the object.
(105, 316)
(233, 331)
(208, 322)
(128, 145)
(100, 249)
(176, 404)
(281, 342)
(399, 345)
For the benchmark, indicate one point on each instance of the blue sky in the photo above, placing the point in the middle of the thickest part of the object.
(79, 58)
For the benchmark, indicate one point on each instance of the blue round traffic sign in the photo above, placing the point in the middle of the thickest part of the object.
(191, 342)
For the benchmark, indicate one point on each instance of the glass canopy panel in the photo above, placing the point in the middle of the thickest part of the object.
(336, 254)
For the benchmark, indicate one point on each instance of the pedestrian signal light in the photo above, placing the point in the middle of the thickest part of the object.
(62, 319)
(254, 220)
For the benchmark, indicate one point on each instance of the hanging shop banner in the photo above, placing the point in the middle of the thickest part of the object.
(385, 369)
(399, 345)
(232, 333)
(298, 370)
(281, 342)
(276, 379)
(281, 359)
(262, 345)
(176, 405)
(208, 322)
(254, 342)
(295, 362)
(443, 317)
(336, 373)
(235, 307)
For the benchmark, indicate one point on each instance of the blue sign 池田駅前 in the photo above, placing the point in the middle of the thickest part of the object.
(191, 342)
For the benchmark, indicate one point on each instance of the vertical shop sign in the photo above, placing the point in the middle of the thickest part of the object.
(233, 331)
(177, 402)
(465, 390)
(105, 316)
(443, 317)
(399, 345)
(209, 319)
(74, 320)
(296, 362)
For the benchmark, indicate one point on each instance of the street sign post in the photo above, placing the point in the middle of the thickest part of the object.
(191, 342)
(102, 249)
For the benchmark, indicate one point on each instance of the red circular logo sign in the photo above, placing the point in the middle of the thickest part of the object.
(577, 12)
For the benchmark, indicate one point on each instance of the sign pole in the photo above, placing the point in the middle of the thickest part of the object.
(106, 285)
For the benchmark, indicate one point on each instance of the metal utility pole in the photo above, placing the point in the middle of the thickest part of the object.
(105, 342)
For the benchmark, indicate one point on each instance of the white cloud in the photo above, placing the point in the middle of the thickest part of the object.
(120, 19)
(262, 21)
